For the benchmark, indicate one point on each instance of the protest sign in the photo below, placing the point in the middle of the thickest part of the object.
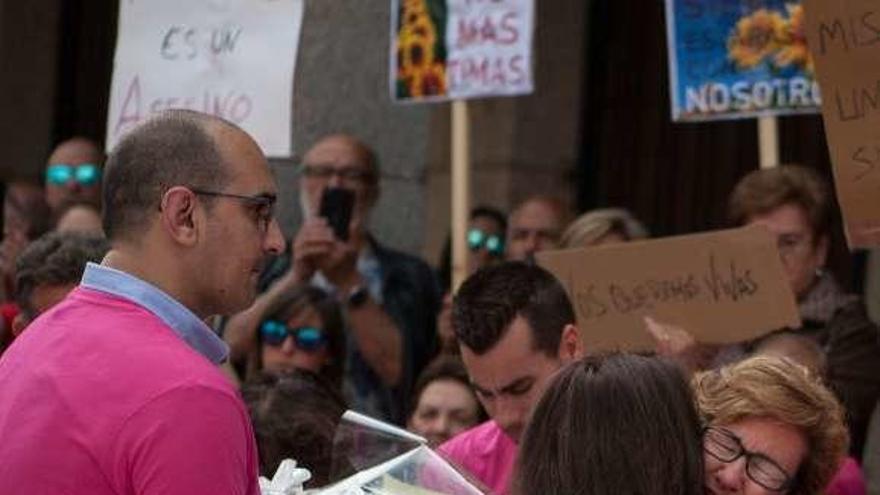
(722, 287)
(741, 58)
(455, 49)
(845, 40)
(230, 58)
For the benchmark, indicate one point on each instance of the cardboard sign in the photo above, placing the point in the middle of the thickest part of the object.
(230, 58)
(845, 40)
(455, 49)
(731, 59)
(722, 287)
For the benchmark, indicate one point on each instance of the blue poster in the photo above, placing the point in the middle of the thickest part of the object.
(731, 59)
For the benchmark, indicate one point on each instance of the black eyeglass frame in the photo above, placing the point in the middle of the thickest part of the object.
(749, 455)
(261, 200)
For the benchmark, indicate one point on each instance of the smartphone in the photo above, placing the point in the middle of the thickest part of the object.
(336, 206)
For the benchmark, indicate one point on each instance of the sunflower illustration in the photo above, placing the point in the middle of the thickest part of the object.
(794, 49)
(421, 69)
(755, 37)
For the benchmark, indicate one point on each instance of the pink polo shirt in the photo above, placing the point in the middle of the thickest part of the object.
(100, 396)
(848, 480)
(486, 452)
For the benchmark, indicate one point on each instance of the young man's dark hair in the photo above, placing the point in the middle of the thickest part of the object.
(56, 259)
(488, 301)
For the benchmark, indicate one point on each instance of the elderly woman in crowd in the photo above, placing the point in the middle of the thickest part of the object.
(443, 402)
(771, 427)
(603, 226)
(619, 424)
(849, 479)
(794, 203)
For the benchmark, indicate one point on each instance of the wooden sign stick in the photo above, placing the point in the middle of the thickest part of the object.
(461, 192)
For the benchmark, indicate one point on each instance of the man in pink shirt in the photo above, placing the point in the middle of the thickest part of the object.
(515, 327)
(115, 390)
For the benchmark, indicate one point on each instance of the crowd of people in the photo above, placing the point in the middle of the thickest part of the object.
(160, 335)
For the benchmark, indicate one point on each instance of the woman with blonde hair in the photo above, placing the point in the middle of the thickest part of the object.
(603, 226)
(771, 427)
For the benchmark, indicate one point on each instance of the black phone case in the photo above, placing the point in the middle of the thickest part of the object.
(336, 206)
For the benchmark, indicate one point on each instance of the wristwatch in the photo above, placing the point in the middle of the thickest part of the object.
(357, 296)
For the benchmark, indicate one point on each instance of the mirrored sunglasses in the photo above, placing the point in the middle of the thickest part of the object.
(477, 239)
(309, 339)
(85, 174)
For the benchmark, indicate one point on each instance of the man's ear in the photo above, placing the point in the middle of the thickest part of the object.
(570, 345)
(178, 215)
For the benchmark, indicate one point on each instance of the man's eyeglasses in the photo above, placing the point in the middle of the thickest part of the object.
(326, 172)
(263, 204)
(309, 339)
(477, 239)
(724, 445)
(85, 174)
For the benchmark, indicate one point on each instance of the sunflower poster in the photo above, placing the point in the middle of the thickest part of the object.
(735, 59)
(454, 49)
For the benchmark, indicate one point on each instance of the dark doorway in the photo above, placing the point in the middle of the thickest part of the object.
(85, 67)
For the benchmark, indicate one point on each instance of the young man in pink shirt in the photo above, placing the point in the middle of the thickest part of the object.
(115, 390)
(515, 327)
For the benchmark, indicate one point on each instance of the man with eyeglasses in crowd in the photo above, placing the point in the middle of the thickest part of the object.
(390, 299)
(115, 390)
(73, 173)
(535, 225)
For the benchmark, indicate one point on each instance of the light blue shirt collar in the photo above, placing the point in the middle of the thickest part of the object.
(184, 322)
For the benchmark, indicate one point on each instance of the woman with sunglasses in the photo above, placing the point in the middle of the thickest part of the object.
(302, 330)
(770, 428)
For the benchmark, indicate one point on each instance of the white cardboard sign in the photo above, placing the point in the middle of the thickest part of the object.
(231, 58)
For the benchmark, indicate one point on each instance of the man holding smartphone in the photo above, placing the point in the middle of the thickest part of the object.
(390, 298)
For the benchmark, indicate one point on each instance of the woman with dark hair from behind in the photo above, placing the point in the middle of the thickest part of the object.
(295, 415)
(613, 425)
